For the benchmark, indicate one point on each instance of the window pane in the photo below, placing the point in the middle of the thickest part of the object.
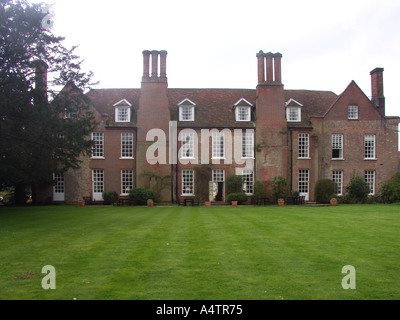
(126, 181)
(337, 177)
(122, 114)
(243, 114)
(218, 175)
(247, 145)
(97, 148)
(303, 181)
(218, 145)
(353, 112)
(187, 149)
(248, 181)
(369, 146)
(126, 145)
(186, 113)
(337, 146)
(98, 180)
(303, 145)
(187, 182)
(370, 180)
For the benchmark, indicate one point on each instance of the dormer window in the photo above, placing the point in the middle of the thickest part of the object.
(293, 111)
(186, 110)
(122, 111)
(242, 110)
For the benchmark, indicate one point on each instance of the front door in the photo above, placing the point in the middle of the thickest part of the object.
(59, 187)
(304, 183)
(97, 184)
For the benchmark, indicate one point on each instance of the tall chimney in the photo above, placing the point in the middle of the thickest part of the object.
(377, 89)
(261, 67)
(163, 64)
(154, 64)
(146, 64)
(269, 67)
(40, 82)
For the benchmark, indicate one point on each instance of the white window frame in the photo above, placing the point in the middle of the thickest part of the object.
(352, 112)
(337, 177)
(70, 112)
(293, 114)
(337, 144)
(123, 117)
(248, 181)
(304, 146)
(369, 147)
(126, 181)
(370, 180)
(186, 113)
(187, 182)
(126, 145)
(187, 147)
(247, 145)
(243, 114)
(218, 175)
(98, 145)
(218, 145)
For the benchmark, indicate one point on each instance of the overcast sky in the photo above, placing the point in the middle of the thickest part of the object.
(213, 43)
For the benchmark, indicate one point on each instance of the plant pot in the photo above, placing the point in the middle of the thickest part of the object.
(234, 203)
(81, 203)
(281, 203)
(208, 203)
(333, 202)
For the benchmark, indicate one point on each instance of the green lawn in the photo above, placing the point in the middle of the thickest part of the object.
(200, 253)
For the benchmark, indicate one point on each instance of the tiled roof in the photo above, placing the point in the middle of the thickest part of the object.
(214, 107)
(103, 101)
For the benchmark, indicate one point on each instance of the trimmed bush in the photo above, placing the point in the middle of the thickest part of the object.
(234, 184)
(240, 197)
(279, 187)
(110, 197)
(141, 195)
(325, 189)
(357, 190)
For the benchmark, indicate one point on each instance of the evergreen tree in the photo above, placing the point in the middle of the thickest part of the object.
(36, 139)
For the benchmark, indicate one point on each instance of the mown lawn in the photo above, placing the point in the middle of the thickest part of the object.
(200, 253)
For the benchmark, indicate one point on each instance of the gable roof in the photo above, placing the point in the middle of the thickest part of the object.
(314, 103)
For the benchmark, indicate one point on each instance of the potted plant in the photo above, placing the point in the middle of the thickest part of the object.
(150, 203)
(333, 202)
(234, 203)
(208, 203)
(281, 202)
(81, 203)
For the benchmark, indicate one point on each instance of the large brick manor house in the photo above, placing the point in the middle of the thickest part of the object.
(156, 136)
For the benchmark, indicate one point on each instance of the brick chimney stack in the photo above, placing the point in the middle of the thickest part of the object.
(377, 89)
(158, 66)
(269, 67)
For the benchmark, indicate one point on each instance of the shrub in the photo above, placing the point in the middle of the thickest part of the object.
(279, 187)
(141, 195)
(357, 190)
(391, 189)
(234, 184)
(325, 189)
(240, 197)
(110, 197)
(260, 190)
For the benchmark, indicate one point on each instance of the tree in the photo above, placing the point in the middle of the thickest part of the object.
(35, 138)
(325, 189)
